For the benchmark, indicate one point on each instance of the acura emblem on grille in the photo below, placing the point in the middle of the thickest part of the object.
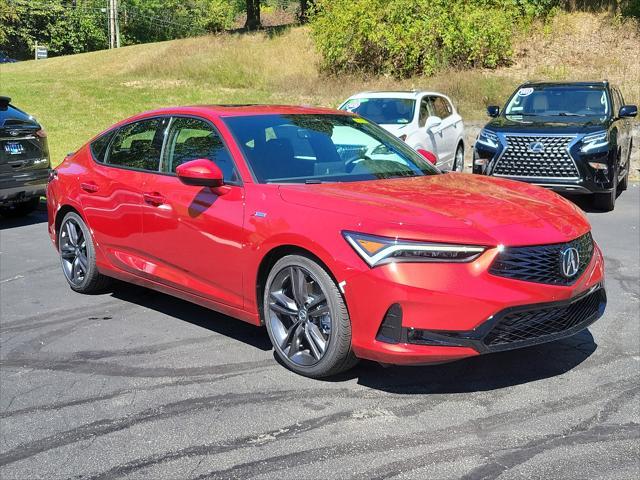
(536, 147)
(570, 261)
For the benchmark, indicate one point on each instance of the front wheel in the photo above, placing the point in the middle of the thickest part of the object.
(78, 257)
(607, 201)
(307, 319)
(458, 165)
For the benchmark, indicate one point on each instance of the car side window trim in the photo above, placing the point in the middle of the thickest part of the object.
(215, 130)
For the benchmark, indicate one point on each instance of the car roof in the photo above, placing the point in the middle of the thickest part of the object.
(603, 83)
(395, 94)
(241, 110)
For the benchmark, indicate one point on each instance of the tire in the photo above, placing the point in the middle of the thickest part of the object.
(607, 201)
(21, 209)
(624, 183)
(309, 327)
(78, 257)
(458, 163)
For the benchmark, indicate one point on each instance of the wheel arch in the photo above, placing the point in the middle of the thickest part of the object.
(269, 260)
(60, 214)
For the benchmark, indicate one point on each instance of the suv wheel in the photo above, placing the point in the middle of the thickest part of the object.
(458, 165)
(607, 201)
(77, 256)
(307, 319)
(21, 209)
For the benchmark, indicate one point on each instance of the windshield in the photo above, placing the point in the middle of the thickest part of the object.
(384, 111)
(309, 148)
(559, 101)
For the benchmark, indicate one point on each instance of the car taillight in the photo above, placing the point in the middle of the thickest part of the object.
(428, 155)
(41, 133)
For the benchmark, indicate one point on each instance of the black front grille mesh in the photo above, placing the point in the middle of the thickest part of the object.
(532, 324)
(542, 263)
(553, 161)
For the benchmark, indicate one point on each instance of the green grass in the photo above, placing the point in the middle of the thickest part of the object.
(75, 97)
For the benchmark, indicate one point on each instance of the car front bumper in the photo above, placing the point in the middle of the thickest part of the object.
(589, 180)
(448, 310)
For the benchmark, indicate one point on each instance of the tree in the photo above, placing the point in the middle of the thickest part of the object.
(305, 7)
(253, 15)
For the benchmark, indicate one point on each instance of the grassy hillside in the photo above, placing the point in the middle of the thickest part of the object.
(75, 97)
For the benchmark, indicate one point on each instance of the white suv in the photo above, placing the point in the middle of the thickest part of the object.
(425, 120)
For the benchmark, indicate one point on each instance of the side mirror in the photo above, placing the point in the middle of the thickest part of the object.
(628, 111)
(430, 156)
(200, 173)
(433, 121)
(493, 110)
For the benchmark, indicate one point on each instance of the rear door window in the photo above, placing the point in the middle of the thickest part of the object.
(99, 146)
(138, 145)
(441, 107)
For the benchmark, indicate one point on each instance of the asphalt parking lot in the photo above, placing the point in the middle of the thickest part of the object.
(136, 384)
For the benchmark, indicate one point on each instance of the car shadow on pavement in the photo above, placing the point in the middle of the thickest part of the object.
(193, 314)
(480, 373)
(39, 216)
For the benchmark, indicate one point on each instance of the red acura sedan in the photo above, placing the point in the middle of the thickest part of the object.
(332, 233)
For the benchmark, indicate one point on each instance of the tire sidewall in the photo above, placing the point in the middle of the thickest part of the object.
(91, 263)
(338, 323)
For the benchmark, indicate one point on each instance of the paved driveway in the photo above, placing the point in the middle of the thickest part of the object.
(135, 384)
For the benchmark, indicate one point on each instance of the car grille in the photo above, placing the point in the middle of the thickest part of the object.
(553, 161)
(533, 324)
(542, 263)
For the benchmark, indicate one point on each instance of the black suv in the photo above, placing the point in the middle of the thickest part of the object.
(572, 137)
(24, 161)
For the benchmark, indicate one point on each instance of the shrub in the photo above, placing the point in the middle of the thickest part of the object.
(407, 37)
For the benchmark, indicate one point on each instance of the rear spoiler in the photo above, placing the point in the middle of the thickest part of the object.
(4, 103)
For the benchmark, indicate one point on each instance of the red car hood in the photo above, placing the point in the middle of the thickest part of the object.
(448, 208)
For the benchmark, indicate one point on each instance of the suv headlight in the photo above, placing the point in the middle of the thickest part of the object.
(488, 138)
(594, 140)
(380, 250)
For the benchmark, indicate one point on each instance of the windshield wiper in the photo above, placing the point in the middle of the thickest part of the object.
(523, 114)
(569, 114)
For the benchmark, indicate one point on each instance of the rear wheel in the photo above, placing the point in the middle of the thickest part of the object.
(307, 319)
(77, 256)
(21, 209)
(458, 165)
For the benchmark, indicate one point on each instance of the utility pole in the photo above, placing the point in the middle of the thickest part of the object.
(116, 16)
(114, 28)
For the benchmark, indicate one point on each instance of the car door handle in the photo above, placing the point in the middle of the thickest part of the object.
(153, 198)
(89, 187)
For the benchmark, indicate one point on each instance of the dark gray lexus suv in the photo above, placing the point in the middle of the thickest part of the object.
(572, 137)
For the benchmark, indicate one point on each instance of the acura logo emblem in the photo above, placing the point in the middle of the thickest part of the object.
(570, 262)
(536, 147)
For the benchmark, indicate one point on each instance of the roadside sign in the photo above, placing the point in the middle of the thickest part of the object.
(41, 52)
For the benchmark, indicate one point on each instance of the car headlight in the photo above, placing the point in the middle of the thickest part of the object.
(594, 140)
(376, 250)
(488, 138)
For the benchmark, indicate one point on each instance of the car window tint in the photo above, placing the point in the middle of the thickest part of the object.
(191, 139)
(441, 107)
(99, 146)
(138, 145)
